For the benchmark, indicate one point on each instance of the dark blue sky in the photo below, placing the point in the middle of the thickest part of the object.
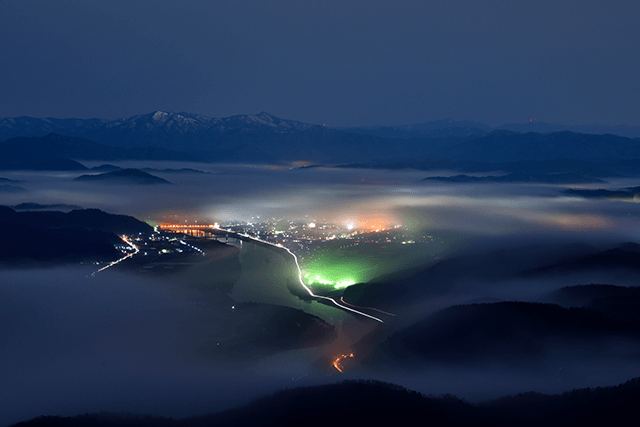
(343, 63)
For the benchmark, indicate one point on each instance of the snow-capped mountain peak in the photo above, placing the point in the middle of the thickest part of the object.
(159, 116)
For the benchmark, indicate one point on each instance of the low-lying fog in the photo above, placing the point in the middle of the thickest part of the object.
(242, 192)
(73, 344)
(70, 344)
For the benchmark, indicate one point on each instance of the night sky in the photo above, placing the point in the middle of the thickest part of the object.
(343, 62)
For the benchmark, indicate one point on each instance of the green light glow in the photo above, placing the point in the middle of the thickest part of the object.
(317, 280)
(344, 284)
(337, 269)
(334, 276)
(340, 263)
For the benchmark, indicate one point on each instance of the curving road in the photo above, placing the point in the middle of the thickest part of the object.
(111, 264)
(366, 308)
(295, 258)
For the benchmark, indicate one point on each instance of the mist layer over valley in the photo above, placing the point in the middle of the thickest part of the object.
(472, 285)
(319, 213)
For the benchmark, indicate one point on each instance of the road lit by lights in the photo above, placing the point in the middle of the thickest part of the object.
(337, 285)
(366, 308)
(182, 242)
(295, 258)
(336, 363)
(111, 264)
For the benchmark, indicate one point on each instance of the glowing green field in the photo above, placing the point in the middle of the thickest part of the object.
(338, 270)
(338, 264)
(336, 273)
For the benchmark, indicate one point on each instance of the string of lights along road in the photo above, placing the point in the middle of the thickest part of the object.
(295, 258)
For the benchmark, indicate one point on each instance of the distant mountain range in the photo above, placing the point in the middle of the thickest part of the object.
(159, 129)
(263, 138)
(457, 128)
(623, 193)
(507, 146)
(542, 127)
(260, 138)
(462, 128)
(434, 129)
(56, 147)
(124, 176)
(556, 178)
(11, 189)
(7, 187)
(156, 128)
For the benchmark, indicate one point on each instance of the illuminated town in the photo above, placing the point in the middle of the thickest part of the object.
(330, 254)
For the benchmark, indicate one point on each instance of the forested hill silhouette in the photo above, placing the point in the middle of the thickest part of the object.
(352, 403)
(619, 303)
(57, 237)
(621, 258)
(441, 277)
(510, 332)
(24, 244)
(91, 219)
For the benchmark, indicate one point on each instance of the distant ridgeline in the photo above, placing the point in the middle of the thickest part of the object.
(124, 176)
(262, 138)
(623, 193)
(49, 236)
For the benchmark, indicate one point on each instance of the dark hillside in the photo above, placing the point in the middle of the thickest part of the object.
(91, 219)
(507, 331)
(619, 259)
(19, 243)
(273, 329)
(618, 303)
(440, 278)
(58, 237)
(374, 403)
